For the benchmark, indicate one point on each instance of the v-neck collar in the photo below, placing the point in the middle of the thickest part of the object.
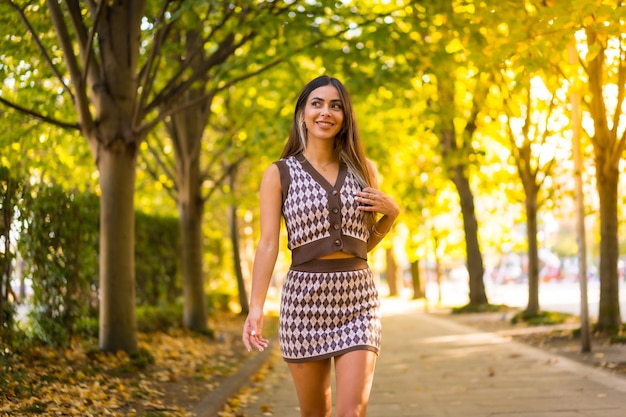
(321, 180)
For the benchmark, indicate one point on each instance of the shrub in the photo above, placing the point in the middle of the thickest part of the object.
(162, 317)
(59, 243)
(543, 318)
(480, 308)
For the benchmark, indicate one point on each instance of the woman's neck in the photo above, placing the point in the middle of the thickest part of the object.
(321, 160)
(319, 156)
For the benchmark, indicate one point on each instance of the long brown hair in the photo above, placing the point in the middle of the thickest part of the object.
(347, 143)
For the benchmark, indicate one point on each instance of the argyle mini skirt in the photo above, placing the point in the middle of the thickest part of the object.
(328, 307)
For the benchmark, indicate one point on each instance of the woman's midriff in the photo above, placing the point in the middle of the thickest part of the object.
(337, 255)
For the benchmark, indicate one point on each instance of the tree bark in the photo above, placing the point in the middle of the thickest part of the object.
(532, 309)
(528, 170)
(186, 130)
(609, 316)
(392, 273)
(457, 170)
(416, 278)
(105, 87)
(608, 151)
(234, 237)
(475, 267)
(195, 308)
(118, 324)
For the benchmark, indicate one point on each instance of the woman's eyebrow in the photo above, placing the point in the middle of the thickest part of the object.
(321, 99)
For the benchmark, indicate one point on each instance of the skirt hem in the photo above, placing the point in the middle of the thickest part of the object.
(333, 354)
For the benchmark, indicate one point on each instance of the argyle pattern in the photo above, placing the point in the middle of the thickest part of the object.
(327, 312)
(306, 208)
(353, 219)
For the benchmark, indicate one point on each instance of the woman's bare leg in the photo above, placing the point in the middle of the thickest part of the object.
(312, 381)
(354, 373)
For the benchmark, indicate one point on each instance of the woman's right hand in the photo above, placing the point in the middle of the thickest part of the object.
(252, 328)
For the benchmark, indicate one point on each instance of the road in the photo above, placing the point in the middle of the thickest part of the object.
(553, 296)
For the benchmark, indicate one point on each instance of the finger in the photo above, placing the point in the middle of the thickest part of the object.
(259, 344)
(246, 342)
(263, 343)
(248, 335)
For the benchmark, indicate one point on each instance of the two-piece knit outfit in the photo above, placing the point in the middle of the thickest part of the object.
(328, 306)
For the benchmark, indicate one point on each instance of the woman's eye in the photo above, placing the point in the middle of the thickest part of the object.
(336, 106)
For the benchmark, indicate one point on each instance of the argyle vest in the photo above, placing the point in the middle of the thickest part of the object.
(321, 218)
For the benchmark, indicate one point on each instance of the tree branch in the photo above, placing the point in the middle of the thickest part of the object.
(47, 119)
(620, 145)
(88, 55)
(41, 48)
(149, 125)
(148, 73)
(225, 174)
(173, 89)
(172, 191)
(224, 50)
(81, 102)
(547, 168)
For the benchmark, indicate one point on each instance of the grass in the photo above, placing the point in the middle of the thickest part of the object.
(541, 319)
(481, 308)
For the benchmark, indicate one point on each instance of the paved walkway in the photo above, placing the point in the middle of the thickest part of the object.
(432, 367)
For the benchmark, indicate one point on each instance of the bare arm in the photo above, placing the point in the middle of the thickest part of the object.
(265, 257)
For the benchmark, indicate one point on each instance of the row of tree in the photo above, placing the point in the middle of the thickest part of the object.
(198, 95)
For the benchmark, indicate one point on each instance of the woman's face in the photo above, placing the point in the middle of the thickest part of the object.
(323, 113)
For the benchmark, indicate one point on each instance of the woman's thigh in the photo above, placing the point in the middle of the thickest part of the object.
(312, 381)
(354, 373)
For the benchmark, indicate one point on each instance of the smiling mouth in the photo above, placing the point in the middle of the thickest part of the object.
(325, 124)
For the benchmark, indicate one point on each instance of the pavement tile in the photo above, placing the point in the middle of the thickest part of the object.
(433, 367)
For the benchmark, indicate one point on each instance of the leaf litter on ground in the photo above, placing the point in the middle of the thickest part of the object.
(172, 372)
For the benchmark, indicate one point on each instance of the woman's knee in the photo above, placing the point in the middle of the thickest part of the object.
(353, 411)
(312, 382)
(354, 376)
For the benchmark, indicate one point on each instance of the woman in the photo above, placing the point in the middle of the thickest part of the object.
(326, 190)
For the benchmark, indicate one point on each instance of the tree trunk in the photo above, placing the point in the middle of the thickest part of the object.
(104, 95)
(438, 277)
(607, 156)
(118, 324)
(457, 171)
(609, 317)
(475, 265)
(418, 284)
(392, 273)
(5, 253)
(532, 309)
(186, 130)
(191, 207)
(234, 237)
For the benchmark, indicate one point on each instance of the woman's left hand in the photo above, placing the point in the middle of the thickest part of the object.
(371, 199)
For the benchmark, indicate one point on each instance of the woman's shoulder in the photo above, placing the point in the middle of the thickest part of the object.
(288, 162)
(294, 157)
